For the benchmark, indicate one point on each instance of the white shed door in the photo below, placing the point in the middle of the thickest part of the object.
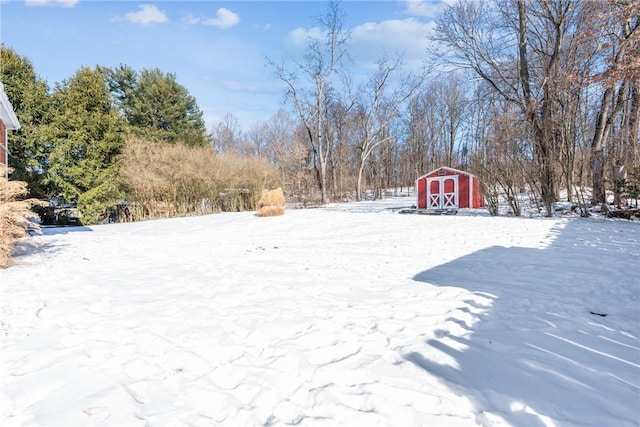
(442, 192)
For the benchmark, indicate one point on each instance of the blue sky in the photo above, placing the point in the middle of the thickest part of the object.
(217, 49)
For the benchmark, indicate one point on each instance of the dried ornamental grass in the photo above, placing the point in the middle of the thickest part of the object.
(15, 216)
(176, 180)
(271, 203)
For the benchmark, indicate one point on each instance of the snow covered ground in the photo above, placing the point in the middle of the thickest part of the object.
(349, 315)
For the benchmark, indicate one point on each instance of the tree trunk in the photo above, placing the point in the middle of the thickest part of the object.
(321, 154)
(619, 177)
(323, 181)
(540, 126)
(597, 150)
(633, 143)
(359, 183)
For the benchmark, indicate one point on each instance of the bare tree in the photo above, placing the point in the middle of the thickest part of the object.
(226, 134)
(573, 101)
(436, 117)
(415, 143)
(288, 152)
(380, 102)
(516, 49)
(257, 139)
(339, 131)
(319, 69)
(454, 106)
(615, 25)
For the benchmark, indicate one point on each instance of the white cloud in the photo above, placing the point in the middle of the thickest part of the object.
(298, 38)
(224, 19)
(190, 19)
(405, 33)
(372, 40)
(408, 36)
(426, 8)
(148, 14)
(62, 3)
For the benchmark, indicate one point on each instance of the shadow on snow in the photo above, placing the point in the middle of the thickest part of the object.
(34, 245)
(557, 341)
(50, 231)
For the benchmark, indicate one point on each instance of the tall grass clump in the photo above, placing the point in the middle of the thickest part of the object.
(271, 203)
(15, 215)
(166, 180)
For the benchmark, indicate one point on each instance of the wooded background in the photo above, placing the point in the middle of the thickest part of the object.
(533, 96)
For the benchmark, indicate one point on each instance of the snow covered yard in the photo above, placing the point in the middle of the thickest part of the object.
(350, 315)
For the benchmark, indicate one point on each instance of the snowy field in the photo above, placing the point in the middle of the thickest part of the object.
(349, 315)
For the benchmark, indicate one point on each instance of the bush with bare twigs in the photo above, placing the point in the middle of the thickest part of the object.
(15, 216)
(271, 203)
(166, 180)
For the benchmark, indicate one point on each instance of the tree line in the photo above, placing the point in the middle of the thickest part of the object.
(532, 95)
(121, 144)
(527, 94)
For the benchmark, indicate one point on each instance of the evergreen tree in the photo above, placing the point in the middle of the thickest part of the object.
(86, 135)
(156, 106)
(29, 96)
(122, 82)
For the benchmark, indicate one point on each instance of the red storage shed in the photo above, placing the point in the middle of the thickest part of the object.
(448, 188)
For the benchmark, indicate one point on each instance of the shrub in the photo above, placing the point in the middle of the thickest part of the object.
(271, 203)
(15, 216)
(165, 180)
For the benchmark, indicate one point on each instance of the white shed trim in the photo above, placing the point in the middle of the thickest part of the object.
(458, 171)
